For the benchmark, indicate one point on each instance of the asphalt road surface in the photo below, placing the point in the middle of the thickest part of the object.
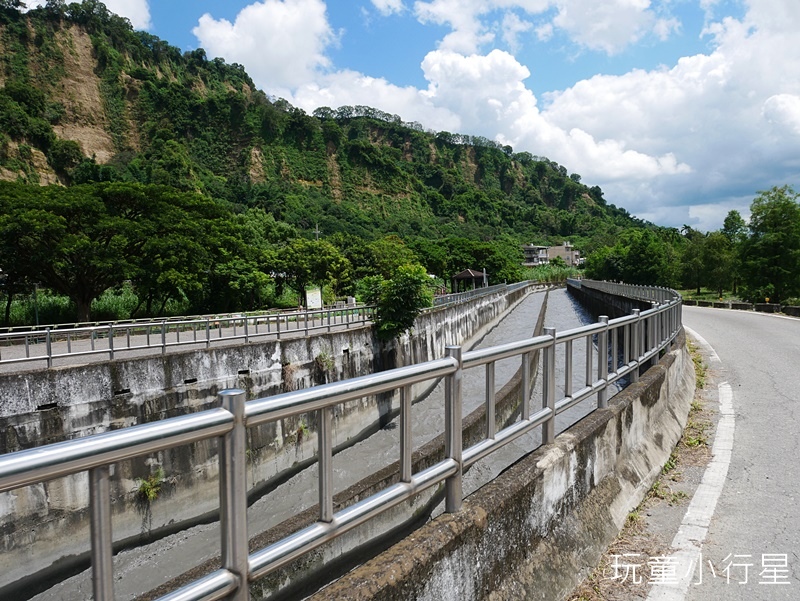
(751, 549)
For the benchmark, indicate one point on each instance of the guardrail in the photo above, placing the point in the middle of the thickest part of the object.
(646, 293)
(56, 343)
(457, 297)
(622, 345)
(49, 343)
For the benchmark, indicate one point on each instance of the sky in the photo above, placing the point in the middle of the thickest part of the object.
(680, 110)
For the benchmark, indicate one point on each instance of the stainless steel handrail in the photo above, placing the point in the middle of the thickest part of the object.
(115, 338)
(633, 340)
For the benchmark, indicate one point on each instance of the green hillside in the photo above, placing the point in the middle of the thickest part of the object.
(85, 102)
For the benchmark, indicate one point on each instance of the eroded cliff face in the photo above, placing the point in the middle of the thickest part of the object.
(85, 120)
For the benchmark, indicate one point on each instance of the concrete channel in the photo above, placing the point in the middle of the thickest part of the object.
(141, 569)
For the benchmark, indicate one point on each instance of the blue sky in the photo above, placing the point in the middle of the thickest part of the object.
(680, 110)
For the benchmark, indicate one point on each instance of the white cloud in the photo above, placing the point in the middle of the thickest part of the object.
(137, 11)
(387, 7)
(608, 26)
(782, 111)
(512, 27)
(282, 43)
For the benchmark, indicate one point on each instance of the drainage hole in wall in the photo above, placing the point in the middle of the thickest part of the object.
(47, 406)
(244, 372)
(123, 391)
(190, 381)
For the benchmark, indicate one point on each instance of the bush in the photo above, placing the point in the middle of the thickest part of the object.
(401, 300)
(64, 155)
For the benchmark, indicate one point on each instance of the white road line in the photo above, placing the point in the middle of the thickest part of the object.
(688, 542)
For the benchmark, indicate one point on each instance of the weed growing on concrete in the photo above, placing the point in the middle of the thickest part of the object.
(149, 489)
(671, 463)
(325, 362)
(699, 365)
(661, 491)
(302, 430)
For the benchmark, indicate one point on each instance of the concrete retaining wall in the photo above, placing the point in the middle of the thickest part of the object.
(598, 302)
(538, 529)
(40, 407)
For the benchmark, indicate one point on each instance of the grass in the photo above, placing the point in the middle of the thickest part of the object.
(551, 274)
(699, 367)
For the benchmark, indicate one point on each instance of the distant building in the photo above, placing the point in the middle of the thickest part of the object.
(542, 255)
(534, 255)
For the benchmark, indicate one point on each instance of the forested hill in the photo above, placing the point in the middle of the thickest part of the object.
(85, 100)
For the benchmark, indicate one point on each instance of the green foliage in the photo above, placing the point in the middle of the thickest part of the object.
(401, 299)
(640, 256)
(64, 155)
(771, 253)
(551, 274)
(149, 489)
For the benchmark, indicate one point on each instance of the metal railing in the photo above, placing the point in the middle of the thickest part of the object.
(111, 339)
(622, 346)
(646, 293)
(47, 344)
(457, 297)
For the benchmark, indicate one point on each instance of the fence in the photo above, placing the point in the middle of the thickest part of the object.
(622, 345)
(51, 343)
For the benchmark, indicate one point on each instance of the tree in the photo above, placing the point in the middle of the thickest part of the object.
(772, 251)
(735, 230)
(718, 257)
(302, 263)
(401, 299)
(692, 275)
(640, 256)
(83, 247)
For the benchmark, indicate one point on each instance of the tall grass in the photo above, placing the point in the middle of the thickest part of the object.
(551, 274)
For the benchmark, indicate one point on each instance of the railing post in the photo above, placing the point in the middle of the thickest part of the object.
(526, 386)
(654, 326)
(208, 332)
(110, 341)
(635, 340)
(246, 330)
(233, 493)
(490, 401)
(568, 368)
(325, 452)
(49, 348)
(549, 388)
(602, 363)
(452, 421)
(164, 337)
(100, 528)
(406, 443)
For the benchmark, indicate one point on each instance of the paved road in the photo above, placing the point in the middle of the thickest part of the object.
(752, 547)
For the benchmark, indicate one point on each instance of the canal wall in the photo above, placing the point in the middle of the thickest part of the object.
(538, 529)
(40, 407)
